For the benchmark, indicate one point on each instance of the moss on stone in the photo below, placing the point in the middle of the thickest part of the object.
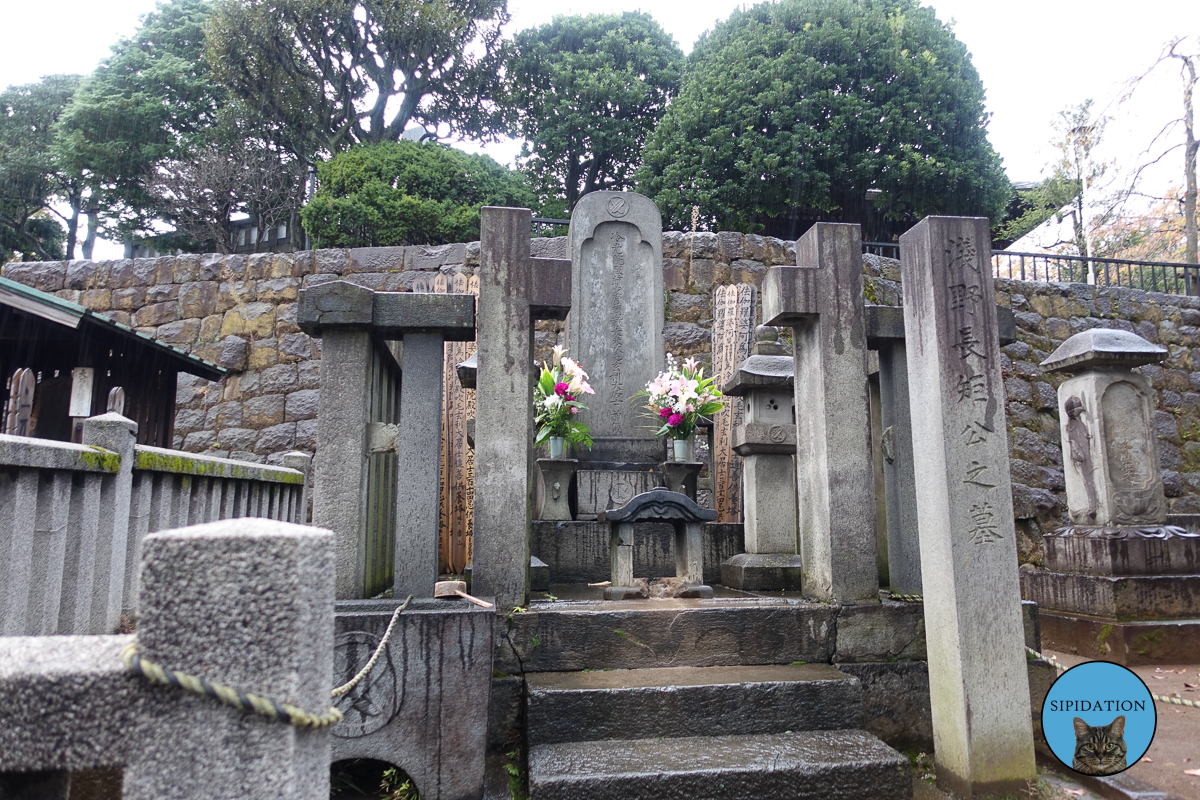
(97, 458)
(182, 464)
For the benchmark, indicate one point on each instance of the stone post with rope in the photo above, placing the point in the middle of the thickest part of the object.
(242, 609)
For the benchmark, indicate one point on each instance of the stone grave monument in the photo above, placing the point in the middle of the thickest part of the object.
(615, 332)
(978, 681)
(766, 440)
(1120, 583)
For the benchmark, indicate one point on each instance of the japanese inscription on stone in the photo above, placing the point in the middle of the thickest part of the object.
(733, 337)
(967, 327)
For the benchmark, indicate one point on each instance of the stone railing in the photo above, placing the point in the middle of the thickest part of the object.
(73, 517)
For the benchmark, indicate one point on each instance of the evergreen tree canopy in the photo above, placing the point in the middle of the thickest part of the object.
(30, 176)
(400, 193)
(153, 99)
(789, 112)
(586, 92)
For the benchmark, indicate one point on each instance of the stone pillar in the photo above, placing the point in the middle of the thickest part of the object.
(247, 603)
(822, 301)
(113, 547)
(419, 474)
(885, 334)
(766, 441)
(978, 680)
(341, 316)
(514, 291)
(615, 327)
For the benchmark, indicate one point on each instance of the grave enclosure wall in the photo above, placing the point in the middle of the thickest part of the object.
(240, 311)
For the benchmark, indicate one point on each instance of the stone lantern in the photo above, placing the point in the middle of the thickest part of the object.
(1106, 412)
(767, 442)
(1120, 582)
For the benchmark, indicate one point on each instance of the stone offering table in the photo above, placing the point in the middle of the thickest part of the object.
(659, 505)
(1120, 583)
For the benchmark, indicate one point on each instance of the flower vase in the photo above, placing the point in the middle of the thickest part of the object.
(680, 449)
(556, 446)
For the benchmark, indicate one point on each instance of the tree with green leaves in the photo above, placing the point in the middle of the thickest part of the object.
(399, 193)
(31, 177)
(585, 92)
(337, 73)
(152, 100)
(865, 111)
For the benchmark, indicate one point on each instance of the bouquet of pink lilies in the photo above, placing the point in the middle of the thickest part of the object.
(554, 401)
(679, 396)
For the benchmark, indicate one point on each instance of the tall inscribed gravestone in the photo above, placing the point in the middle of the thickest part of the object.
(615, 326)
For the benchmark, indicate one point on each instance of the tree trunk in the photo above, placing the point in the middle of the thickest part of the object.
(1189, 169)
(93, 215)
(73, 224)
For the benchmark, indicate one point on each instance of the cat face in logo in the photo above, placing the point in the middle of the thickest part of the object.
(1100, 749)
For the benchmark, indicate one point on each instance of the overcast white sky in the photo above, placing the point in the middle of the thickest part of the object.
(1035, 57)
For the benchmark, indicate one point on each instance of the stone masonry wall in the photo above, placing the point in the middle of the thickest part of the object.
(240, 311)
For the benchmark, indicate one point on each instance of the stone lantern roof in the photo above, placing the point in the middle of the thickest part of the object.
(768, 366)
(1103, 347)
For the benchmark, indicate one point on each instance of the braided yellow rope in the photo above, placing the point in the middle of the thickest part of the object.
(1177, 701)
(1162, 698)
(362, 673)
(283, 712)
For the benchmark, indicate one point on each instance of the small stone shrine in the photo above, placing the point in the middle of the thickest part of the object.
(1120, 584)
(767, 442)
(658, 505)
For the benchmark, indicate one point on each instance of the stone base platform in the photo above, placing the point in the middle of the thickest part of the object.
(762, 572)
(1118, 597)
(1128, 643)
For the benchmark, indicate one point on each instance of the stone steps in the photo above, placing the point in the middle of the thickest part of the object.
(682, 701)
(822, 765)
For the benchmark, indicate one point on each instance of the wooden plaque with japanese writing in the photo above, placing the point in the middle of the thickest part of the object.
(458, 459)
(732, 338)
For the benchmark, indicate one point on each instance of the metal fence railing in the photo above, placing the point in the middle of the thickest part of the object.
(1169, 277)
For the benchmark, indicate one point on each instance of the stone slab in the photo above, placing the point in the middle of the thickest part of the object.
(578, 552)
(598, 490)
(1125, 597)
(814, 764)
(1128, 555)
(424, 707)
(1128, 643)
(646, 634)
(649, 703)
(880, 632)
(762, 572)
